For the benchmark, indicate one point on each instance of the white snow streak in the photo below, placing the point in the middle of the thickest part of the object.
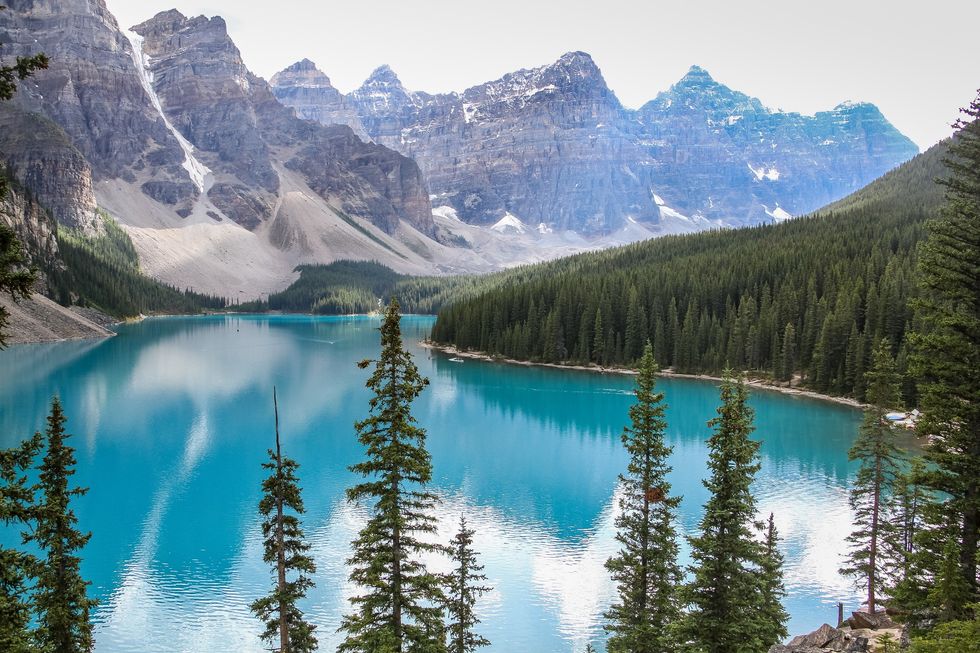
(199, 173)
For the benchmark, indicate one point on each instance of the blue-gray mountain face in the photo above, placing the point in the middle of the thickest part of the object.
(553, 146)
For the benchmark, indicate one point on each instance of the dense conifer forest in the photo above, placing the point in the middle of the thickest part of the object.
(806, 297)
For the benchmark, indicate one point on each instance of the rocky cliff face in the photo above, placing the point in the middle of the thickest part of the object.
(722, 154)
(307, 90)
(553, 147)
(240, 131)
(34, 227)
(172, 110)
(40, 156)
(91, 91)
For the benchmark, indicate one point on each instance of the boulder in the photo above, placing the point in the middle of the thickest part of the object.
(875, 621)
(857, 645)
(817, 639)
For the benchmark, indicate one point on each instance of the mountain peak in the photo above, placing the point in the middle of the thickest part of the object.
(697, 74)
(852, 106)
(383, 75)
(577, 62)
(302, 73)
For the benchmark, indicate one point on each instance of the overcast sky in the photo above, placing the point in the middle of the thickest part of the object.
(918, 60)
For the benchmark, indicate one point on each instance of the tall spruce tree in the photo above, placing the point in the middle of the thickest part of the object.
(875, 448)
(645, 569)
(463, 587)
(724, 597)
(286, 551)
(400, 609)
(946, 348)
(60, 601)
(16, 567)
(772, 615)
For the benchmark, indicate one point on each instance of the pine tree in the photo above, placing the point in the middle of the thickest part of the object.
(645, 569)
(772, 615)
(724, 594)
(462, 591)
(400, 611)
(60, 601)
(875, 449)
(951, 593)
(286, 551)
(946, 349)
(906, 520)
(788, 351)
(16, 567)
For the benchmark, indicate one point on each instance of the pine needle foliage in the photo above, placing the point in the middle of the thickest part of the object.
(287, 551)
(946, 347)
(724, 597)
(645, 569)
(60, 602)
(772, 615)
(16, 567)
(463, 588)
(399, 609)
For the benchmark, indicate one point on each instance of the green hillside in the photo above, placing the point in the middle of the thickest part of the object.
(806, 297)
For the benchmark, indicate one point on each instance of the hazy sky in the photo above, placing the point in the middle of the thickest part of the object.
(918, 60)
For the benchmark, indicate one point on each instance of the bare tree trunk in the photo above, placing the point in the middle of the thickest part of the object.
(873, 549)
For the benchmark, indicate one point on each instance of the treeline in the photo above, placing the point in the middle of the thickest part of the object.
(103, 273)
(807, 297)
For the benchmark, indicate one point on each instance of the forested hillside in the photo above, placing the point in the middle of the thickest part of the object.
(347, 287)
(103, 272)
(808, 296)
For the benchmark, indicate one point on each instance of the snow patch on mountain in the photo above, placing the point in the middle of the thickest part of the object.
(447, 212)
(509, 224)
(762, 172)
(779, 213)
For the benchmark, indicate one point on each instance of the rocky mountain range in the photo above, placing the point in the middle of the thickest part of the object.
(554, 147)
(226, 182)
(219, 185)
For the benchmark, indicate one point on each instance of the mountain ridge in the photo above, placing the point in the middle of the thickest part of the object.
(685, 146)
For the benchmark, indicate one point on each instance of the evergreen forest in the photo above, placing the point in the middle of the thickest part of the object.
(801, 301)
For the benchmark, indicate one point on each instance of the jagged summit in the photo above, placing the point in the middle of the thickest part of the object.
(303, 73)
(697, 73)
(169, 14)
(382, 76)
(852, 106)
(577, 60)
(308, 91)
(303, 65)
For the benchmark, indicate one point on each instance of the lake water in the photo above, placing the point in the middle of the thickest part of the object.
(172, 419)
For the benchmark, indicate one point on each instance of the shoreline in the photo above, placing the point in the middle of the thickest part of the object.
(752, 383)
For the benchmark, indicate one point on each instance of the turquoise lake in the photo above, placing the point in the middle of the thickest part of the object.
(172, 419)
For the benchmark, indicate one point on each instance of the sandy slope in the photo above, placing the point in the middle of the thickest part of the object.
(214, 255)
(39, 319)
